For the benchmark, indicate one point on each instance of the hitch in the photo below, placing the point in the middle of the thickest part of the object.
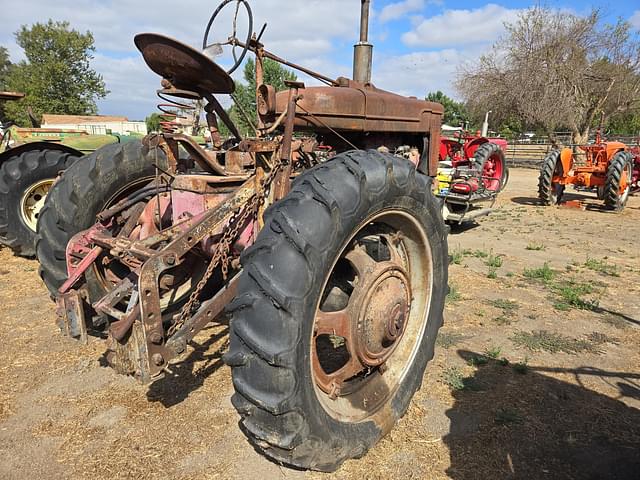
(71, 318)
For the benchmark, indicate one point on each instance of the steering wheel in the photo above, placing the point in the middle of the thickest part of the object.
(215, 49)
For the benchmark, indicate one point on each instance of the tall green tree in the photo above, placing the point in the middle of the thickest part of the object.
(5, 65)
(153, 122)
(56, 76)
(245, 94)
(455, 113)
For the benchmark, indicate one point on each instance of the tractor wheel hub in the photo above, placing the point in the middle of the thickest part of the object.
(382, 315)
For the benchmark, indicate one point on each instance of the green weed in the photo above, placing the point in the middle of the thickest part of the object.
(552, 342)
(448, 340)
(453, 377)
(602, 266)
(544, 273)
(493, 352)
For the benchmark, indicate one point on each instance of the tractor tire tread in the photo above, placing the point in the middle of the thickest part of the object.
(17, 174)
(300, 232)
(76, 199)
(617, 165)
(545, 179)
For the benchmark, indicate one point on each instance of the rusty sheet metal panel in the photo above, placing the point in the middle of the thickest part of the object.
(359, 108)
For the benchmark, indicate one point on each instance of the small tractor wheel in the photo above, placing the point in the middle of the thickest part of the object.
(25, 180)
(618, 182)
(550, 192)
(493, 166)
(84, 190)
(337, 310)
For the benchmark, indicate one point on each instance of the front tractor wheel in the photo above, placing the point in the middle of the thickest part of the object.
(337, 311)
(617, 185)
(550, 192)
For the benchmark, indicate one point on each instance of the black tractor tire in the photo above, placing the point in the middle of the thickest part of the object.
(83, 191)
(484, 153)
(613, 199)
(18, 175)
(279, 290)
(548, 193)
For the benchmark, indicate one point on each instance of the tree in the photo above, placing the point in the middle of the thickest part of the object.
(153, 122)
(245, 94)
(56, 75)
(455, 113)
(5, 65)
(556, 70)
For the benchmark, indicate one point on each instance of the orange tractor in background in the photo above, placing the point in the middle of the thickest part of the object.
(608, 169)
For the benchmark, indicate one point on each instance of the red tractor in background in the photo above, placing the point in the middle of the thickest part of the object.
(472, 170)
(635, 176)
(610, 168)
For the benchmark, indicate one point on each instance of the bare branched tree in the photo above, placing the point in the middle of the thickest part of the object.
(556, 70)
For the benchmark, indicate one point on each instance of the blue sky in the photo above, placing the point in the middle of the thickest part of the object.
(419, 44)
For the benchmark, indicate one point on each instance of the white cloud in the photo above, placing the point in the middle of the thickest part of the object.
(398, 10)
(635, 19)
(461, 27)
(417, 73)
(308, 31)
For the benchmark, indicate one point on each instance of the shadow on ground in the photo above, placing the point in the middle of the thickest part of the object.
(531, 426)
(185, 378)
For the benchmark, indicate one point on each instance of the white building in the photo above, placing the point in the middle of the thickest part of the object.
(95, 124)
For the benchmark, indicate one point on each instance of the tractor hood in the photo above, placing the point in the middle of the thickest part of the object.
(357, 107)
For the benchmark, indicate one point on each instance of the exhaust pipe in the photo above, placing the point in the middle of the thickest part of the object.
(363, 50)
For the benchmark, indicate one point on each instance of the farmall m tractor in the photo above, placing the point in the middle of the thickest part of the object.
(608, 168)
(332, 270)
(472, 171)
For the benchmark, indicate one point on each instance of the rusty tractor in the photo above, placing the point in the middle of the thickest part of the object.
(327, 253)
(472, 172)
(608, 168)
(30, 161)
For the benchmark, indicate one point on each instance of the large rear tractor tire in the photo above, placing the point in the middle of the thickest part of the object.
(617, 185)
(337, 311)
(492, 165)
(25, 180)
(550, 192)
(84, 190)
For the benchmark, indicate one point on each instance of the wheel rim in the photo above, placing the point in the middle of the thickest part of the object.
(492, 172)
(33, 200)
(174, 293)
(371, 315)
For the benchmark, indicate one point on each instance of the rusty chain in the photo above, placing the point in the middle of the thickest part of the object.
(221, 256)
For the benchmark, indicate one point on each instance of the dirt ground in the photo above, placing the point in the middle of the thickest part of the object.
(536, 373)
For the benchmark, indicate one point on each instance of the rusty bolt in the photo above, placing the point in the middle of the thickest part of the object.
(157, 359)
(156, 338)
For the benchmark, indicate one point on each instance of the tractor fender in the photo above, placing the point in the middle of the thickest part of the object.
(38, 146)
(471, 147)
(615, 147)
(566, 159)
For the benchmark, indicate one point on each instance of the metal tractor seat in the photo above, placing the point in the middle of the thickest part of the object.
(183, 66)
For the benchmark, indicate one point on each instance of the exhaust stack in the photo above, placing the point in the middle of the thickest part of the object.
(363, 50)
